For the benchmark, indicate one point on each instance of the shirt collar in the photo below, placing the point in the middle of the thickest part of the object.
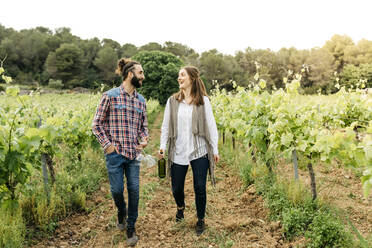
(123, 92)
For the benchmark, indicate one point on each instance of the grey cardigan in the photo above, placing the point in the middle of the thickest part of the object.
(199, 129)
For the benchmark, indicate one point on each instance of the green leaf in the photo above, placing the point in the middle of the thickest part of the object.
(12, 91)
(24, 98)
(32, 132)
(302, 145)
(30, 144)
(262, 84)
(368, 151)
(359, 156)
(286, 139)
(369, 128)
(323, 157)
(7, 79)
(367, 184)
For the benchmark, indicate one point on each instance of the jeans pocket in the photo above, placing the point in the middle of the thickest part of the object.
(136, 162)
(111, 153)
(110, 156)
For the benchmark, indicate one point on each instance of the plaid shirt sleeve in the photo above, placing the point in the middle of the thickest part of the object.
(144, 132)
(98, 121)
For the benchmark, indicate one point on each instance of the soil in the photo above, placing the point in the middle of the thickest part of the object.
(339, 187)
(236, 216)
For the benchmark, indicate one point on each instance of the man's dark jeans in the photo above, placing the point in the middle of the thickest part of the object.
(118, 165)
(200, 170)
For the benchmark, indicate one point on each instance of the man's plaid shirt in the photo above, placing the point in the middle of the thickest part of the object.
(121, 120)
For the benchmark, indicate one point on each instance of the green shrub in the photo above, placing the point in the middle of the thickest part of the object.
(55, 84)
(12, 229)
(74, 181)
(64, 198)
(161, 69)
(78, 200)
(246, 173)
(38, 211)
(296, 220)
(276, 199)
(355, 76)
(327, 230)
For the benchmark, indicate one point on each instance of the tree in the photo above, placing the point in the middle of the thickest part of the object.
(65, 63)
(356, 76)
(53, 42)
(212, 66)
(113, 44)
(5, 32)
(181, 51)
(8, 50)
(106, 62)
(222, 69)
(152, 46)
(64, 34)
(336, 47)
(192, 59)
(33, 51)
(161, 71)
(359, 54)
(270, 68)
(90, 73)
(90, 50)
(245, 62)
(321, 69)
(128, 50)
(366, 74)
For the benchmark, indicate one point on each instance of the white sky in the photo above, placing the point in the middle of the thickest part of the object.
(228, 25)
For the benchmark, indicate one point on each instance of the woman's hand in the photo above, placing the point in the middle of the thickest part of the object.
(160, 154)
(216, 158)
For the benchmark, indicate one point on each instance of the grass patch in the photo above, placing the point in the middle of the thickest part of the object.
(217, 238)
(75, 181)
(291, 203)
(12, 229)
(146, 194)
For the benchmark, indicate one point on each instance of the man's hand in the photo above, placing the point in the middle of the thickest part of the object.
(142, 144)
(111, 149)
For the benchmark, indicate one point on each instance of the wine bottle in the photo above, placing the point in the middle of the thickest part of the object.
(161, 167)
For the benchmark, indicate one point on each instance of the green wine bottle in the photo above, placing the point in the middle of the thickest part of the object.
(161, 167)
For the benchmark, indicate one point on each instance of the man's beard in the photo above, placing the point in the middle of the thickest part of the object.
(135, 82)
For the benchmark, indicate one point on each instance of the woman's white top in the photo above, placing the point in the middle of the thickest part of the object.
(184, 150)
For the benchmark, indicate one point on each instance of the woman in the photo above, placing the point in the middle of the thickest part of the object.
(190, 130)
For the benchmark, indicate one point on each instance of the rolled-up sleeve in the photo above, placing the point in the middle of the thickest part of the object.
(212, 127)
(98, 121)
(165, 127)
(144, 131)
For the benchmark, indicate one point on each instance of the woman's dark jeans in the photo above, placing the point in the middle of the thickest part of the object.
(178, 174)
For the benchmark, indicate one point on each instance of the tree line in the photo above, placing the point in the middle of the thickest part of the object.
(58, 58)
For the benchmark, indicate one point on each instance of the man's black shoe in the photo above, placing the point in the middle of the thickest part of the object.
(132, 238)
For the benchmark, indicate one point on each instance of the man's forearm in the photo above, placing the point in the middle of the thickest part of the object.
(101, 136)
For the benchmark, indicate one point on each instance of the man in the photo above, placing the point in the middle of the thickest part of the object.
(119, 123)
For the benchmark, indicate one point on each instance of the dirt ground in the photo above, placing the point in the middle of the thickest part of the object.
(339, 187)
(236, 217)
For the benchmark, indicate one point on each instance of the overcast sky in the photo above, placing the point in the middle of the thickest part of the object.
(228, 25)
